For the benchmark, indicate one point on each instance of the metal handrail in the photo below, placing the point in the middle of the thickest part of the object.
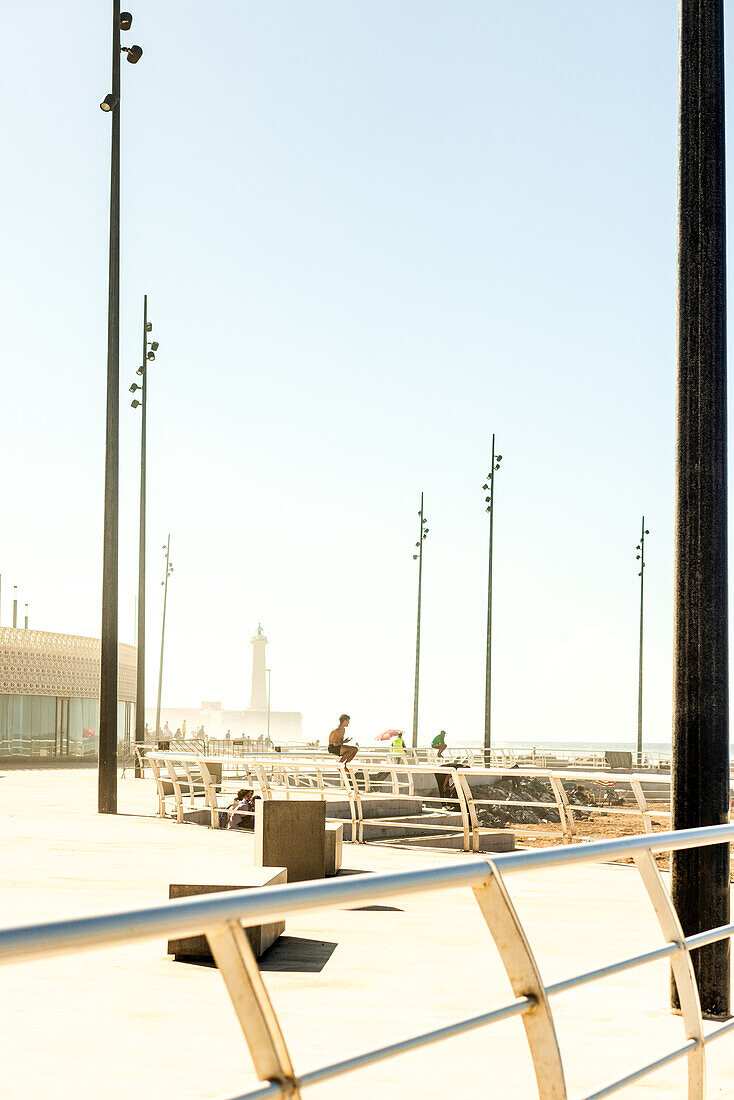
(273, 772)
(220, 916)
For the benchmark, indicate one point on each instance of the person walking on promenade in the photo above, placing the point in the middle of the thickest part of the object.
(439, 743)
(338, 741)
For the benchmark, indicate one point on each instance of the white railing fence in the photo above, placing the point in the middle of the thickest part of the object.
(221, 917)
(182, 778)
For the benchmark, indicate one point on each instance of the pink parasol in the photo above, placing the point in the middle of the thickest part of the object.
(388, 735)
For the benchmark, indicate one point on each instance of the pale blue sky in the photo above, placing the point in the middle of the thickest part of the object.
(371, 234)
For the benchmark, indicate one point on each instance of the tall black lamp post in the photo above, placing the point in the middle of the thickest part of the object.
(641, 575)
(164, 582)
(700, 773)
(489, 502)
(422, 532)
(107, 776)
(142, 387)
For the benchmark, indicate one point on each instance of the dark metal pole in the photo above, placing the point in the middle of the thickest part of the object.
(268, 672)
(140, 689)
(488, 675)
(641, 556)
(163, 635)
(107, 775)
(15, 605)
(418, 629)
(700, 775)
(26, 616)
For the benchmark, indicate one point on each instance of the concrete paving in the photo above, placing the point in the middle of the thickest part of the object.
(124, 1022)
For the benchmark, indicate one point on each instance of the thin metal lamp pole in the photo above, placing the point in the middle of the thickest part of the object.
(489, 501)
(142, 386)
(700, 771)
(15, 605)
(169, 570)
(422, 532)
(641, 575)
(108, 693)
(26, 616)
(268, 672)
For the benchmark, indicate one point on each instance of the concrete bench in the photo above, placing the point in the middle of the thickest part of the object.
(260, 936)
(333, 839)
(291, 834)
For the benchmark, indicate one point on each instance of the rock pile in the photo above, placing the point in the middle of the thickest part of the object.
(525, 789)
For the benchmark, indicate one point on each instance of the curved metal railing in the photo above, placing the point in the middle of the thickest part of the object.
(184, 777)
(220, 916)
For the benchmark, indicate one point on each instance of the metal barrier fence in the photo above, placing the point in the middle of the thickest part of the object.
(220, 917)
(186, 777)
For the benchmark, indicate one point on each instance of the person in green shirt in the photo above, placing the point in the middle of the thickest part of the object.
(439, 742)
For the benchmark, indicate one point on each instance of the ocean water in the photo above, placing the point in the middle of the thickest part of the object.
(578, 746)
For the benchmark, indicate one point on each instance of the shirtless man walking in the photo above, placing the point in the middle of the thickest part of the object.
(338, 741)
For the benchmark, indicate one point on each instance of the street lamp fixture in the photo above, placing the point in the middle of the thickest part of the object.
(164, 582)
(140, 680)
(154, 345)
(151, 356)
(422, 532)
(489, 501)
(108, 691)
(640, 557)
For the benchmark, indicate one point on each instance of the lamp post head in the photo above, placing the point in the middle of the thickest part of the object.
(155, 345)
(134, 53)
(135, 404)
(149, 326)
(108, 103)
(126, 20)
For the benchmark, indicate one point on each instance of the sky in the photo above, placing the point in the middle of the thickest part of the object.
(371, 235)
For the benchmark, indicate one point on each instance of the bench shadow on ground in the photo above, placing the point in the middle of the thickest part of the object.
(289, 954)
(297, 955)
(367, 908)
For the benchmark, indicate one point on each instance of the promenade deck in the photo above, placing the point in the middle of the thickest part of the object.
(129, 1021)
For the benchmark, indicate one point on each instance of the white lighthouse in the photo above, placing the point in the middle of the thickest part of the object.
(258, 695)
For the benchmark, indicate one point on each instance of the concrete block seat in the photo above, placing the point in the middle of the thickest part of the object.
(431, 823)
(376, 805)
(291, 834)
(260, 936)
(333, 840)
(490, 840)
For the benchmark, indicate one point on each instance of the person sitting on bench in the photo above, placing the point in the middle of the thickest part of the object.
(242, 809)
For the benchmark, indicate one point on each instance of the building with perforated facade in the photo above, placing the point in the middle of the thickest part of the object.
(49, 694)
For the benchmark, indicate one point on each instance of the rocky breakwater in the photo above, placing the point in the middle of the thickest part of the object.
(526, 789)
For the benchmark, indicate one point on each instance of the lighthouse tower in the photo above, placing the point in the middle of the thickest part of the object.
(258, 696)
